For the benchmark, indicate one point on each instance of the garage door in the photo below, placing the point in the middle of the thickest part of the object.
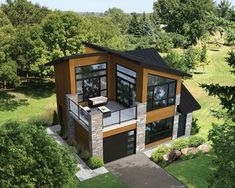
(120, 145)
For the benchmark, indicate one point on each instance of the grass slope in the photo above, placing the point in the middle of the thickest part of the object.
(216, 72)
(195, 172)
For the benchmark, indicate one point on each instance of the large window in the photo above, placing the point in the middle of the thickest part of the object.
(161, 92)
(158, 130)
(91, 81)
(126, 86)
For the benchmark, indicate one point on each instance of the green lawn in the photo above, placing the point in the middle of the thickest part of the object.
(216, 72)
(36, 101)
(104, 181)
(194, 173)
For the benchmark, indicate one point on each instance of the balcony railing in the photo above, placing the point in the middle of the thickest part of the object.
(117, 117)
(120, 116)
(79, 112)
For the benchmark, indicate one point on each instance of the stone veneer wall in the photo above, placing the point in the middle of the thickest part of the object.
(176, 118)
(141, 122)
(96, 134)
(188, 124)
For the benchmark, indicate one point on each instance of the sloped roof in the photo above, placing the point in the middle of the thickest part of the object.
(148, 58)
(188, 103)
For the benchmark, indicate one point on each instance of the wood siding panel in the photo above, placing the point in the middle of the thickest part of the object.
(81, 136)
(62, 82)
(158, 142)
(159, 114)
(119, 130)
(89, 50)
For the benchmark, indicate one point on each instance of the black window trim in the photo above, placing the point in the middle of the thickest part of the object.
(152, 87)
(99, 77)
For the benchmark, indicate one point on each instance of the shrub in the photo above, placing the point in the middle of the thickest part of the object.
(187, 157)
(195, 127)
(95, 162)
(179, 144)
(31, 158)
(164, 42)
(195, 141)
(85, 155)
(157, 155)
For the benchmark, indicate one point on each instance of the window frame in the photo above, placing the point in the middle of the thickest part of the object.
(128, 82)
(99, 77)
(152, 88)
(154, 136)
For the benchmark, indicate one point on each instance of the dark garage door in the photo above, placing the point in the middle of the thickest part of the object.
(120, 145)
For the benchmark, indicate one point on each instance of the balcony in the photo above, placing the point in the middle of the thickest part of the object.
(119, 114)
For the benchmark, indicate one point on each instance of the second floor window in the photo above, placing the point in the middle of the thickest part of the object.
(161, 92)
(126, 85)
(91, 81)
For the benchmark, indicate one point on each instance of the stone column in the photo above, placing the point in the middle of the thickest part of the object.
(188, 124)
(141, 123)
(70, 121)
(175, 126)
(96, 134)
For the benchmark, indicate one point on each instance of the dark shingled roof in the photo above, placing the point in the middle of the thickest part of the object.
(148, 58)
(188, 103)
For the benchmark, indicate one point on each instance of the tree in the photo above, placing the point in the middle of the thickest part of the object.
(27, 48)
(62, 33)
(135, 26)
(31, 158)
(188, 18)
(147, 29)
(191, 58)
(223, 139)
(175, 60)
(203, 57)
(230, 36)
(223, 8)
(119, 18)
(164, 42)
(21, 12)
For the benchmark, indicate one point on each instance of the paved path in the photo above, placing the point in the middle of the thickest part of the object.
(138, 171)
(84, 172)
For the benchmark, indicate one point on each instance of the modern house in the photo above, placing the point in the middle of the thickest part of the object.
(115, 103)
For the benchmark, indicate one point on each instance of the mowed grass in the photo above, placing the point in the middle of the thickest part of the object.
(195, 172)
(217, 71)
(22, 104)
(104, 181)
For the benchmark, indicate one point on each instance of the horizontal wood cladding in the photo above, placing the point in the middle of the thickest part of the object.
(83, 62)
(158, 142)
(91, 50)
(81, 136)
(159, 114)
(154, 72)
(119, 130)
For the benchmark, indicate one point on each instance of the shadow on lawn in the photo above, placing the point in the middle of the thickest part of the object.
(9, 102)
(37, 90)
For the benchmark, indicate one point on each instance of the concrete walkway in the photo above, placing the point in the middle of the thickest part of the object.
(84, 172)
(138, 171)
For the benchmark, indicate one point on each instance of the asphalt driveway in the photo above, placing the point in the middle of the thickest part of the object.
(138, 171)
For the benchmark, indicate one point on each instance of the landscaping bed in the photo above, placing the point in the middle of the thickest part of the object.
(180, 149)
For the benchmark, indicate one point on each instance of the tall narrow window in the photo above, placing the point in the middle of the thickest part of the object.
(161, 92)
(182, 125)
(91, 81)
(126, 85)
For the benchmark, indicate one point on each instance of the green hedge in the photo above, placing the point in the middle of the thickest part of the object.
(157, 155)
(179, 143)
(195, 141)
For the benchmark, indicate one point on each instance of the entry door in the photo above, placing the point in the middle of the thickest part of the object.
(120, 145)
